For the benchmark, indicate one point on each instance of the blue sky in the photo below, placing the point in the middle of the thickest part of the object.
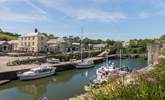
(104, 19)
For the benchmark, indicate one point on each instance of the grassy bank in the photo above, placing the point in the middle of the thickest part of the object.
(140, 85)
(8, 36)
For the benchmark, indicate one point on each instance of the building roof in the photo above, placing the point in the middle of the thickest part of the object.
(76, 44)
(61, 40)
(52, 41)
(3, 42)
(56, 41)
(34, 34)
(53, 45)
(99, 45)
(13, 42)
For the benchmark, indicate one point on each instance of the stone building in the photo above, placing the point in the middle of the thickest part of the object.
(52, 46)
(5, 46)
(99, 46)
(57, 45)
(14, 45)
(75, 47)
(153, 52)
(33, 42)
(63, 45)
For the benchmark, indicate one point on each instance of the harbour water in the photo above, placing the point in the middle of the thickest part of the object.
(61, 86)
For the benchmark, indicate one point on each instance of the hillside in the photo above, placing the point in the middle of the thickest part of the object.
(8, 36)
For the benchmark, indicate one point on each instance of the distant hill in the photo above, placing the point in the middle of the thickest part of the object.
(7, 36)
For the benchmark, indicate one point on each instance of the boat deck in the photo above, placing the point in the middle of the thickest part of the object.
(4, 82)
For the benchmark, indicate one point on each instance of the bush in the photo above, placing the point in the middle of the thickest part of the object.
(162, 50)
(26, 61)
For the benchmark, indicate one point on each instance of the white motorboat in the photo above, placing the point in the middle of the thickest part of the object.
(36, 73)
(53, 61)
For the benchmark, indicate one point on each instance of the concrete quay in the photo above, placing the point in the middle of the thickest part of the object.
(10, 72)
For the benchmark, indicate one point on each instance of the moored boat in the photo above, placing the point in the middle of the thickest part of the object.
(103, 73)
(85, 64)
(53, 61)
(36, 73)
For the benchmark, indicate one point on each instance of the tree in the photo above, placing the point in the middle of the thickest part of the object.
(110, 42)
(118, 45)
(162, 50)
(86, 41)
(162, 37)
(45, 34)
(76, 39)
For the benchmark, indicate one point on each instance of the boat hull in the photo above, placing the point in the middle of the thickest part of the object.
(37, 76)
(84, 66)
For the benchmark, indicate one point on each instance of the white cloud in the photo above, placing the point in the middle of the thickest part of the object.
(99, 15)
(8, 14)
(11, 16)
(84, 13)
(35, 7)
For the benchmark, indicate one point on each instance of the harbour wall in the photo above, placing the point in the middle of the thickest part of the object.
(12, 75)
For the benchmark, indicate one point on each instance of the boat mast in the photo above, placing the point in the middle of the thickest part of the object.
(120, 58)
(107, 62)
(89, 52)
(81, 43)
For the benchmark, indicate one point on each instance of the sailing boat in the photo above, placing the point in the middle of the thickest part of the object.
(108, 67)
(103, 72)
(84, 63)
(122, 68)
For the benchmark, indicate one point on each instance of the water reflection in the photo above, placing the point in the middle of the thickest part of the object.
(86, 74)
(38, 88)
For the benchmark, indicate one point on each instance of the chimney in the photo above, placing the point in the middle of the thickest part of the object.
(35, 30)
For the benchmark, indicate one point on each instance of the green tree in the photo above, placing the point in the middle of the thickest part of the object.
(51, 36)
(162, 37)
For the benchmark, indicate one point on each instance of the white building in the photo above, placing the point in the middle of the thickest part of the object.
(33, 42)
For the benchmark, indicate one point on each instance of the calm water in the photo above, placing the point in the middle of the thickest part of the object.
(58, 87)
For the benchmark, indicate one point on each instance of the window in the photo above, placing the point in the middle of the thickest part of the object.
(21, 38)
(32, 43)
(42, 38)
(21, 44)
(33, 38)
(28, 43)
(28, 38)
(32, 48)
(25, 43)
